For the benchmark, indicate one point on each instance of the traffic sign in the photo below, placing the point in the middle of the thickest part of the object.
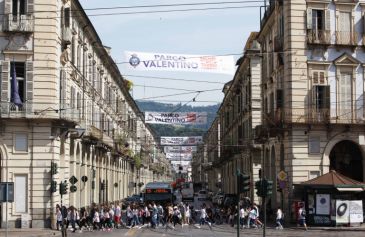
(73, 189)
(84, 179)
(73, 179)
(282, 176)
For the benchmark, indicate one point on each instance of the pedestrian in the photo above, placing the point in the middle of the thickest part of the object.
(160, 215)
(203, 217)
(176, 218)
(301, 217)
(279, 219)
(129, 215)
(117, 216)
(58, 217)
(187, 215)
(242, 216)
(96, 219)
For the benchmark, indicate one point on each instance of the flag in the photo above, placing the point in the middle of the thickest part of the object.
(15, 98)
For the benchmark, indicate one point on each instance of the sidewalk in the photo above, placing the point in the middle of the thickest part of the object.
(30, 232)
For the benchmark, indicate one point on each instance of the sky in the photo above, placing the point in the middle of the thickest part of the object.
(209, 32)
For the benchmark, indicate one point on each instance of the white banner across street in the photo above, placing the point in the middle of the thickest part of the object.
(181, 141)
(179, 149)
(180, 62)
(179, 157)
(179, 118)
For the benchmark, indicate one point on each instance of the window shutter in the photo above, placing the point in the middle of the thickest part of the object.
(63, 88)
(315, 97)
(67, 17)
(327, 97)
(321, 78)
(30, 6)
(29, 86)
(315, 77)
(5, 80)
(7, 6)
(309, 18)
(327, 20)
(279, 98)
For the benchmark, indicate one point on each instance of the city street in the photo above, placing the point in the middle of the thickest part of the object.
(219, 231)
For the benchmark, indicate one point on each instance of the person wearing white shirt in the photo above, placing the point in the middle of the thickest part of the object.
(279, 219)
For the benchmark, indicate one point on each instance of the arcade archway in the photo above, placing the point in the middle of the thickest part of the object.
(347, 159)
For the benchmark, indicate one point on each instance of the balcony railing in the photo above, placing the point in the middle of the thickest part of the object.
(10, 110)
(319, 116)
(18, 23)
(319, 37)
(346, 38)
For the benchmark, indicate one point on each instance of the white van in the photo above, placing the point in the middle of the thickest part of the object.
(187, 191)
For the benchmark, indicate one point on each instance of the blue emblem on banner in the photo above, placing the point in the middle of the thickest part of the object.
(134, 60)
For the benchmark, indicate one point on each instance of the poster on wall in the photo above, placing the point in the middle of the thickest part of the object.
(356, 212)
(342, 211)
(323, 204)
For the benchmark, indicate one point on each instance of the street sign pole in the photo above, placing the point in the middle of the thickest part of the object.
(238, 202)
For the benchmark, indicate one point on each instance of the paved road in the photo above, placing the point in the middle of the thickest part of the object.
(218, 231)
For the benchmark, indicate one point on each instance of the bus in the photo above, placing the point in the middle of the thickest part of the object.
(159, 192)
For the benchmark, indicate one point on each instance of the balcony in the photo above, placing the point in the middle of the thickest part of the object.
(10, 110)
(346, 38)
(319, 116)
(19, 23)
(322, 37)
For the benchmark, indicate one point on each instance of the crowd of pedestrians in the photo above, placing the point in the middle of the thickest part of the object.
(106, 217)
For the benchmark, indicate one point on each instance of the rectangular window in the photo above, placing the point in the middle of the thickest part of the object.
(20, 78)
(314, 174)
(314, 145)
(345, 93)
(19, 7)
(67, 16)
(20, 142)
(21, 195)
(317, 19)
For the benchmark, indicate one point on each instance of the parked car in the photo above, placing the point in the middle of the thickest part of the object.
(202, 195)
(135, 198)
(218, 198)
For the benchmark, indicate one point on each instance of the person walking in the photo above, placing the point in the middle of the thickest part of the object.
(59, 217)
(203, 217)
(279, 219)
(301, 217)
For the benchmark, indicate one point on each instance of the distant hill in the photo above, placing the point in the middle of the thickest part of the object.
(170, 130)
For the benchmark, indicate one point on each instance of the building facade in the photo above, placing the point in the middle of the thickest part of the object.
(64, 104)
(229, 141)
(312, 85)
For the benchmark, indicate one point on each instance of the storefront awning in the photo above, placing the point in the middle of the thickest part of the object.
(350, 189)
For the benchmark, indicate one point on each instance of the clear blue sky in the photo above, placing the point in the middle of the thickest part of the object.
(214, 32)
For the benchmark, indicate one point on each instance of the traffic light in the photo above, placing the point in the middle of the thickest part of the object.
(54, 168)
(258, 187)
(268, 187)
(53, 186)
(244, 183)
(63, 188)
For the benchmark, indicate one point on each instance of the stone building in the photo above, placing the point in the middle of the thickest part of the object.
(312, 85)
(65, 104)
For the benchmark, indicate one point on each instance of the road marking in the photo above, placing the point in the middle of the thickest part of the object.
(131, 232)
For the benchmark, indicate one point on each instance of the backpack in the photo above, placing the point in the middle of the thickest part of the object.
(303, 213)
